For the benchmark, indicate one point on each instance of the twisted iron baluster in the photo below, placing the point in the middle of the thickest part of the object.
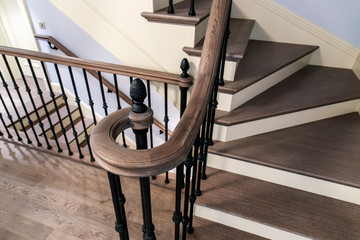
(64, 97)
(41, 98)
(105, 106)
(6, 128)
(91, 102)
(16, 110)
(52, 95)
(10, 118)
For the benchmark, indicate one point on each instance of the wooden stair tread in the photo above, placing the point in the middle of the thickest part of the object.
(312, 86)
(78, 128)
(181, 15)
(240, 33)
(54, 118)
(293, 210)
(261, 59)
(325, 149)
(29, 106)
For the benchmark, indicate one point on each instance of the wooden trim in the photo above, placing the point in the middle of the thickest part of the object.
(143, 163)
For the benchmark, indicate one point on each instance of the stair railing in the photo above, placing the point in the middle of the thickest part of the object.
(186, 147)
(192, 11)
(189, 140)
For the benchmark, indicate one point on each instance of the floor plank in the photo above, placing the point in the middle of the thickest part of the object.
(72, 201)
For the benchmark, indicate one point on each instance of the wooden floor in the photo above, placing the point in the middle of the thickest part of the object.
(47, 197)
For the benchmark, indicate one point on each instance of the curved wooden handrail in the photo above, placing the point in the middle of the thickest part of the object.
(143, 163)
(106, 82)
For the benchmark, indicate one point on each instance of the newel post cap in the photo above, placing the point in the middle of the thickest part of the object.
(140, 116)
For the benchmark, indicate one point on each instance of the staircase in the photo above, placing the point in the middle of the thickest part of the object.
(53, 115)
(285, 161)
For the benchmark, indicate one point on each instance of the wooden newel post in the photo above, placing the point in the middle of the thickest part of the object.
(141, 118)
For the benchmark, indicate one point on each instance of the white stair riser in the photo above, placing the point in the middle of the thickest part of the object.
(229, 133)
(243, 224)
(228, 102)
(230, 67)
(285, 178)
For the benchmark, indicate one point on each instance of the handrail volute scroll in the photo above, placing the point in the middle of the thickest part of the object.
(149, 162)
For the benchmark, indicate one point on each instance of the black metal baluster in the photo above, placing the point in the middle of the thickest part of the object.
(166, 120)
(213, 102)
(223, 51)
(77, 100)
(192, 8)
(64, 97)
(207, 140)
(193, 184)
(52, 95)
(171, 7)
(28, 90)
(11, 120)
(200, 157)
(105, 106)
(188, 165)
(16, 87)
(138, 94)
(119, 208)
(91, 102)
(177, 216)
(6, 128)
(119, 106)
(15, 109)
(46, 110)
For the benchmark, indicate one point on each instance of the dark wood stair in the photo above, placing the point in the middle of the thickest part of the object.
(311, 87)
(261, 59)
(56, 121)
(284, 208)
(181, 15)
(326, 149)
(31, 110)
(240, 34)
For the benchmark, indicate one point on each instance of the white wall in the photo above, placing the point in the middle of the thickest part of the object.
(81, 44)
(341, 18)
(65, 31)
